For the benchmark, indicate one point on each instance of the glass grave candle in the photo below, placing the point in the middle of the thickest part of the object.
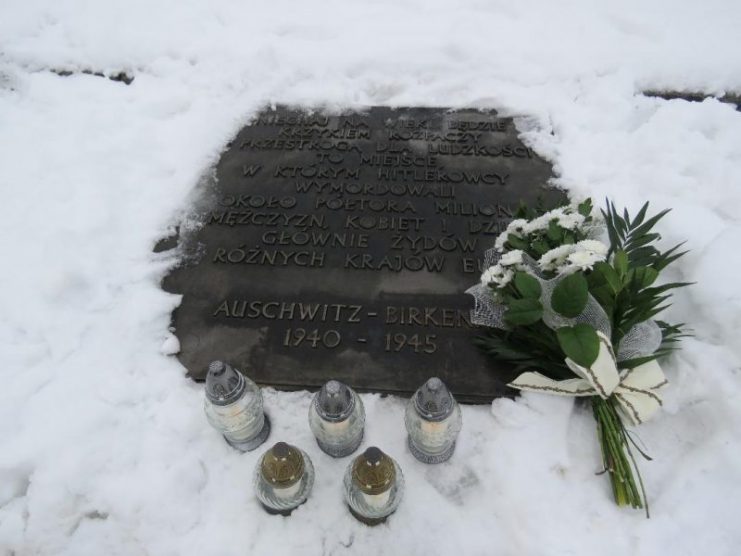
(337, 419)
(234, 407)
(374, 486)
(283, 478)
(433, 420)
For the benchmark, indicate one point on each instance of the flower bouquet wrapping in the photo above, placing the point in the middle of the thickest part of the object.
(569, 296)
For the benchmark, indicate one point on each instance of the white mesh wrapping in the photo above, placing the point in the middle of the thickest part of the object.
(491, 257)
(641, 340)
(486, 311)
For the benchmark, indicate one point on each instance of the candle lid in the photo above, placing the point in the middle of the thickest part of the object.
(373, 471)
(335, 401)
(282, 466)
(224, 384)
(433, 400)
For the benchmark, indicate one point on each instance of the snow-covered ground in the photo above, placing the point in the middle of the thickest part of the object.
(104, 448)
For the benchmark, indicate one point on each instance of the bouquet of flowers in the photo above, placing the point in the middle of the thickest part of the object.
(569, 296)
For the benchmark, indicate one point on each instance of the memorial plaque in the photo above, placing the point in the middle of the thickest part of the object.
(340, 245)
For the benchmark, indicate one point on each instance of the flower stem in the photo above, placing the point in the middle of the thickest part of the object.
(617, 456)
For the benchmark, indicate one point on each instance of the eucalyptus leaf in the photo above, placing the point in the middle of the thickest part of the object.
(580, 343)
(585, 208)
(540, 247)
(517, 242)
(527, 285)
(570, 295)
(554, 230)
(521, 312)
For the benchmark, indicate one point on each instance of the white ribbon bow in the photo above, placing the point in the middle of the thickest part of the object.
(636, 390)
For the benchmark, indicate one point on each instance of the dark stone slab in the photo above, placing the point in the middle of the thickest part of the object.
(690, 96)
(339, 246)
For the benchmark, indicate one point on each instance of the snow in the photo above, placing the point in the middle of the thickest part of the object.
(105, 448)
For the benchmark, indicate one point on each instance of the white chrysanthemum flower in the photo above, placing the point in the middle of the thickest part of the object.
(584, 259)
(593, 246)
(505, 278)
(516, 228)
(539, 224)
(497, 275)
(501, 240)
(555, 257)
(566, 217)
(580, 260)
(571, 221)
(512, 258)
(557, 212)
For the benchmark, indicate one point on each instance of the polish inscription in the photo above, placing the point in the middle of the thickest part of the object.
(340, 245)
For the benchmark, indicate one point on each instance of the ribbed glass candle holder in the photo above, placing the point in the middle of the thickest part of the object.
(433, 420)
(234, 407)
(337, 419)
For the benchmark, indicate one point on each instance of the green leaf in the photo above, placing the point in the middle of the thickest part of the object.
(604, 296)
(540, 247)
(522, 312)
(554, 231)
(622, 225)
(640, 216)
(523, 211)
(580, 343)
(643, 256)
(611, 232)
(650, 223)
(604, 286)
(517, 242)
(666, 287)
(527, 285)
(620, 262)
(585, 208)
(608, 274)
(668, 257)
(633, 363)
(570, 295)
(641, 241)
(644, 276)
